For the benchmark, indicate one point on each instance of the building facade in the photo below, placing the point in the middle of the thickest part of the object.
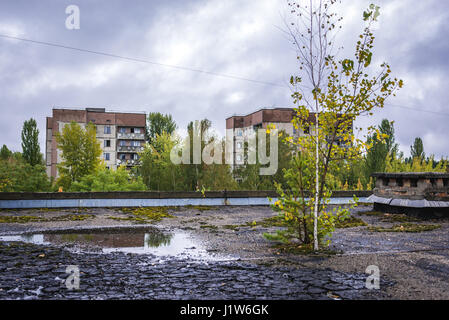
(121, 135)
(240, 128)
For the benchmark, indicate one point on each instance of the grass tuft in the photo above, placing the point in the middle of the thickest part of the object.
(406, 227)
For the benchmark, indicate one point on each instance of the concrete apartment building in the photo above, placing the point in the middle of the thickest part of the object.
(242, 126)
(121, 135)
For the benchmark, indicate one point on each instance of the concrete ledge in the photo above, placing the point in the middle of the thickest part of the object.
(157, 195)
(412, 203)
(419, 208)
(151, 202)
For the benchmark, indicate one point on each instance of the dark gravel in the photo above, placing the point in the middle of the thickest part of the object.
(38, 272)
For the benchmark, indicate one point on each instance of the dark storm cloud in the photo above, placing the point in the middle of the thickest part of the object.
(231, 37)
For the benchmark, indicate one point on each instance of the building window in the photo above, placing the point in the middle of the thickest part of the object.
(122, 156)
(135, 156)
(136, 143)
(239, 145)
(107, 130)
(107, 156)
(122, 143)
(239, 132)
(122, 130)
(107, 143)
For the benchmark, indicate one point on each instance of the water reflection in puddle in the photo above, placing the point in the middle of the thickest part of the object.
(177, 244)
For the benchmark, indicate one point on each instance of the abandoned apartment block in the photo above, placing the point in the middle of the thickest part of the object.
(121, 135)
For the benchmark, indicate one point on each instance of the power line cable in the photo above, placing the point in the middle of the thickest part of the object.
(143, 61)
(183, 68)
(418, 109)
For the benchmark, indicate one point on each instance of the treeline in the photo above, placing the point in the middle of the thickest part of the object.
(83, 170)
(384, 156)
(24, 171)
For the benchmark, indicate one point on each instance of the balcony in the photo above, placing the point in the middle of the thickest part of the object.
(128, 162)
(131, 136)
(132, 149)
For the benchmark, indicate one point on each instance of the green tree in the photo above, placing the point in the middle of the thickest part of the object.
(17, 175)
(30, 143)
(417, 149)
(249, 174)
(338, 92)
(106, 180)
(381, 144)
(159, 123)
(81, 153)
(5, 153)
(217, 176)
(396, 163)
(156, 169)
(198, 131)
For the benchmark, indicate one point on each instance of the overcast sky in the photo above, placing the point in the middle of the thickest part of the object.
(233, 37)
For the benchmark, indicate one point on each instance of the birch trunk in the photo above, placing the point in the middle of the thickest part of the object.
(315, 211)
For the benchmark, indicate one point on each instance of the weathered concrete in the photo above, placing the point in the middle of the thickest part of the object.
(416, 193)
(152, 199)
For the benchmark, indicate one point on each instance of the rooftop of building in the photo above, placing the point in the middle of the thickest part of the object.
(262, 109)
(94, 109)
(98, 116)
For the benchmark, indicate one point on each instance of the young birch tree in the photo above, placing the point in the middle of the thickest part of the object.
(330, 94)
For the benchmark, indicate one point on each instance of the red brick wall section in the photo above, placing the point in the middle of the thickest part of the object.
(101, 118)
(49, 123)
(130, 119)
(66, 115)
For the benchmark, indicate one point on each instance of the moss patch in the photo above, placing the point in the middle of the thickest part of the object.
(303, 249)
(26, 219)
(371, 213)
(209, 226)
(234, 227)
(389, 217)
(200, 208)
(351, 222)
(406, 227)
(275, 221)
(144, 215)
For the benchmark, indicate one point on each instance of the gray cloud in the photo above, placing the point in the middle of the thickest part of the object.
(231, 37)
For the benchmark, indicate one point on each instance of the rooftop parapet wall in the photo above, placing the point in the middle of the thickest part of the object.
(433, 186)
(151, 199)
(158, 195)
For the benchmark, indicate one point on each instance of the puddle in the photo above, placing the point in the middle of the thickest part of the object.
(162, 244)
